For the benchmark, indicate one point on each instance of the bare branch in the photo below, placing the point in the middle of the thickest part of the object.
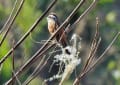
(42, 49)
(13, 63)
(77, 80)
(94, 46)
(35, 72)
(28, 32)
(27, 64)
(9, 18)
(9, 25)
(93, 4)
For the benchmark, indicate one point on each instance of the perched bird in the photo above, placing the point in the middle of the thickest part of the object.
(53, 24)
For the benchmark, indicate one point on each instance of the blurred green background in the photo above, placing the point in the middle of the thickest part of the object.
(106, 73)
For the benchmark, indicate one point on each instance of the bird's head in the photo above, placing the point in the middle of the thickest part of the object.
(52, 18)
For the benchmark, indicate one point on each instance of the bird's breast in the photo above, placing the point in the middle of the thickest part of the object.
(51, 27)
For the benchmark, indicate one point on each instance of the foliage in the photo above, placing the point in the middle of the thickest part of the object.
(107, 10)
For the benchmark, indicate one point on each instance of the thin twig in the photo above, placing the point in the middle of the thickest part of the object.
(91, 58)
(37, 70)
(94, 46)
(29, 31)
(8, 26)
(9, 18)
(42, 41)
(93, 4)
(17, 80)
(22, 69)
(77, 80)
(41, 50)
(13, 63)
(34, 73)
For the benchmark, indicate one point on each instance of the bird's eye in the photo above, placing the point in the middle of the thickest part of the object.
(54, 18)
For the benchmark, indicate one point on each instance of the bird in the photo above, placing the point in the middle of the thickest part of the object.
(53, 24)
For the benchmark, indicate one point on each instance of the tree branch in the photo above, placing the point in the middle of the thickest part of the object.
(40, 52)
(77, 80)
(9, 23)
(28, 32)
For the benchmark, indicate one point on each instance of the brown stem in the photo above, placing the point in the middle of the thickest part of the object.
(39, 52)
(28, 32)
(77, 80)
(82, 15)
(8, 26)
(13, 64)
(94, 47)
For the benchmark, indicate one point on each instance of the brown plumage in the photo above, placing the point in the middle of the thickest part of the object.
(53, 24)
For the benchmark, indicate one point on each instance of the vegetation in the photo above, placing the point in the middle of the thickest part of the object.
(28, 34)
